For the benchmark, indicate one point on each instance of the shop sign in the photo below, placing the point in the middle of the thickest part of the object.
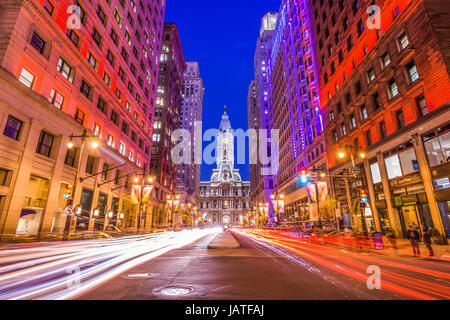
(411, 198)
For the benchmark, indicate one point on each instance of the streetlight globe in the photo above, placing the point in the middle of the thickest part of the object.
(94, 144)
(362, 155)
(322, 174)
(341, 155)
(150, 179)
(272, 196)
(281, 196)
(70, 144)
(136, 179)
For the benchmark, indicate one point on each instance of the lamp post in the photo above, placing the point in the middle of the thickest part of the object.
(145, 182)
(173, 201)
(70, 144)
(362, 155)
(277, 202)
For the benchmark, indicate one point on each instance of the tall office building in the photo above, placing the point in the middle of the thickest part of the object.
(294, 110)
(262, 182)
(58, 77)
(168, 109)
(191, 111)
(385, 91)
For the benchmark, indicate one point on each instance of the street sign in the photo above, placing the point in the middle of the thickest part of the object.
(69, 211)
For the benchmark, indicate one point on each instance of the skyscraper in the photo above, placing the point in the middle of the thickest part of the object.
(168, 109)
(262, 183)
(385, 91)
(92, 73)
(191, 111)
(294, 110)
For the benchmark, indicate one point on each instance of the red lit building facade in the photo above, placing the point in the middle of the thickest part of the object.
(168, 110)
(57, 81)
(386, 92)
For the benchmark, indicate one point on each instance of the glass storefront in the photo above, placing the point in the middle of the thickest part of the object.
(444, 208)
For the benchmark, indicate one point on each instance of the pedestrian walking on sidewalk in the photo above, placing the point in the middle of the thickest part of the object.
(391, 237)
(427, 239)
(414, 237)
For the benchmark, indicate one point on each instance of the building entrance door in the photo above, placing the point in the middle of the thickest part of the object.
(226, 220)
(410, 216)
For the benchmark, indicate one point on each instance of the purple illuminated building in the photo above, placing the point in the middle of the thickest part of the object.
(294, 110)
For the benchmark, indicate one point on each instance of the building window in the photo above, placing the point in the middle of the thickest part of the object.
(403, 41)
(371, 75)
(97, 37)
(5, 177)
(107, 79)
(97, 130)
(71, 156)
(115, 117)
(13, 128)
(364, 114)
(386, 60)
(400, 119)
(65, 69)
(116, 177)
(101, 105)
(125, 127)
(376, 175)
(91, 59)
(45, 144)
(393, 89)
(79, 116)
(422, 106)
(90, 164)
(73, 37)
(413, 74)
(48, 6)
(105, 171)
(349, 43)
(101, 14)
(56, 99)
(85, 89)
(437, 145)
(369, 137)
(376, 100)
(26, 77)
(122, 148)
(360, 27)
(393, 167)
(110, 141)
(37, 43)
(344, 130)
(383, 131)
(110, 57)
(353, 122)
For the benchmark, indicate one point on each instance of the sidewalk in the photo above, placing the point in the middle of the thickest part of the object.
(441, 252)
(224, 240)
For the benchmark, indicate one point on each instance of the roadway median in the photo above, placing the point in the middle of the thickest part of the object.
(224, 240)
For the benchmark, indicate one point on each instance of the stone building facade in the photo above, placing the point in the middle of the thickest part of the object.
(225, 199)
(57, 81)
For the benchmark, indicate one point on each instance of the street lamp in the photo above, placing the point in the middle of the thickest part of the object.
(70, 144)
(277, 202)
(141, 200)
(362, 155)
(173, 201)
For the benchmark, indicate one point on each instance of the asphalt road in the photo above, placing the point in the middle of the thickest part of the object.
(270, 265)
(270, 270)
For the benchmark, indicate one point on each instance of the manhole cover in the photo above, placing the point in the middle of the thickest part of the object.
(141, 275)
(176, 291)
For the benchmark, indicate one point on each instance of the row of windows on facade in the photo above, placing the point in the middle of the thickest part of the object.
(57, 99)
(14, 127)
(384, 59)
(68, 72)
(39, 44)
(402, 160)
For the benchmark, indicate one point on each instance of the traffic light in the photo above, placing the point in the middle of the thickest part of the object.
(68, 192)
(303, 176)
(364, 197)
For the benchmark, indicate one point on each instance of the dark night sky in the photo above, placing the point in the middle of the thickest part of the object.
(221, 35)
